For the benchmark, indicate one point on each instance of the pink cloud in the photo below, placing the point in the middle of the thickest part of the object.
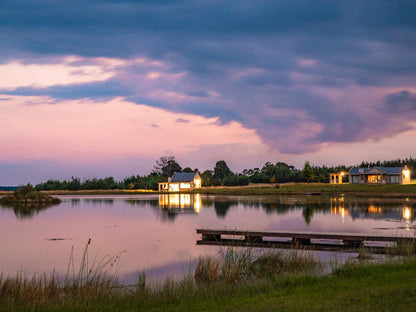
(306, 62)
(69, 70)
(85, 130)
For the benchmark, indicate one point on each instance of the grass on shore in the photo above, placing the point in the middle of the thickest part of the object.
(316, 189)
(235, 280)
(285, 189)
(264, 189)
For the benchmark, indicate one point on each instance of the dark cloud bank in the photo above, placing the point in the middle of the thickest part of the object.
(270, 64)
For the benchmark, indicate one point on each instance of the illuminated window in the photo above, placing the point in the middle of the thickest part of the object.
(174, 187)
(374, 179)
(185, 186)
(197, 183)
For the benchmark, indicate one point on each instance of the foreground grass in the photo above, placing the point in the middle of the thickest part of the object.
(234, 281)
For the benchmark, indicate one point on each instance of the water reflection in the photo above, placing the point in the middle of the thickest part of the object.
(352, 207)
(75, 202)
(181, 203)
(169, 206)
(373, 208)
(100, 201)
(27, 211)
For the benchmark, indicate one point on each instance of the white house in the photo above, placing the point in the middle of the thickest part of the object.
(181, 181)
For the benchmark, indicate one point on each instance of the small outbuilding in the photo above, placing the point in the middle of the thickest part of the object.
(181, 181)
(336, 178)
(380, 175)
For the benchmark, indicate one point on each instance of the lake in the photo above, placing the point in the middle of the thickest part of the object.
(156, 233)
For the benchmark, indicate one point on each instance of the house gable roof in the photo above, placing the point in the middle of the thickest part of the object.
(184, 176)
(376, 170)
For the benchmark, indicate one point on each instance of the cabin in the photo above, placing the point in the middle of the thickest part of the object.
(380, 175)
(181, 181)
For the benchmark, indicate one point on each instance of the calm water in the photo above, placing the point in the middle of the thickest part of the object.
(157, 233)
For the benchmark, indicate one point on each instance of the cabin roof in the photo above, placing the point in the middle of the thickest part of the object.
(183, 176)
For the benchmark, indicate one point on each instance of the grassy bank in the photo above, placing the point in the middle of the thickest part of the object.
(317, 189)
(233, 281)
(100, 192)
(264, 189)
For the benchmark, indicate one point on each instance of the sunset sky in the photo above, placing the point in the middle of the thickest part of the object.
(104, 88)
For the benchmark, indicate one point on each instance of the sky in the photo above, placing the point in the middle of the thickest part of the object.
(104, 88)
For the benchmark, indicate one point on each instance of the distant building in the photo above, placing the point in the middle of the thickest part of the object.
(380, 175)
(181, 181)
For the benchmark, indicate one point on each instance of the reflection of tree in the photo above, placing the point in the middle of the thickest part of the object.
(154, 203)
(100, 201)
(25, 211)
(206, 201)
(221, 208)
(75, 201)
(167, 215)
(307, 213)
(278, 208)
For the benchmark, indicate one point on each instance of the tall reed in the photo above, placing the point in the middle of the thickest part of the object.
(90, 280)
(94, 282)
(237, 264)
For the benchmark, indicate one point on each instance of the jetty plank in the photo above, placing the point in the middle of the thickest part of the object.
(318, 241)
(304, 235)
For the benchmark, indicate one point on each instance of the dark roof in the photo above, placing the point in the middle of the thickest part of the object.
(356, 170)
(183, 176)
(387, 170)
(392, 170)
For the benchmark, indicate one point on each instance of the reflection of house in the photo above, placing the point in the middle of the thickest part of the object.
(380, 175)
(180, 203)
(181, 181)
(381, 210)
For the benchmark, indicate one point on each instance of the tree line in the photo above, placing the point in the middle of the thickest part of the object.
(220, 175)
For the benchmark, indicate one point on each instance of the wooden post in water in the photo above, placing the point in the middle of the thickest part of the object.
(301, 241)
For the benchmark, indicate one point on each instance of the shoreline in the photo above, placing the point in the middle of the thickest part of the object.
(305, 189)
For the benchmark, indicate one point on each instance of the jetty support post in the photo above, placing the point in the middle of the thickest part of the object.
(353, 243)
(211, 237)
(296, 241)
(249, 238)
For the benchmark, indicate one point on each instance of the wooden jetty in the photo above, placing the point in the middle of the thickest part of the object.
(315, 241)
